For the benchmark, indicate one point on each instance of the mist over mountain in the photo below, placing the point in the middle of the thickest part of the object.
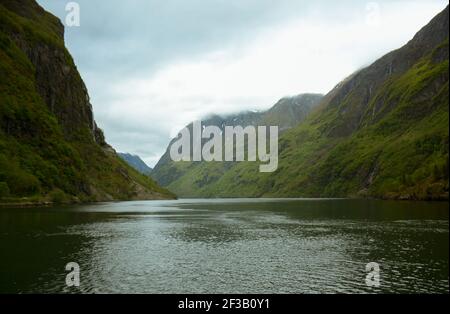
(382, 132)
(285, 114)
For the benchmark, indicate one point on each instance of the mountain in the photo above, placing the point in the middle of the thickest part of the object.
(189, 179)
(51, 149)
(382, 132)
(136, 162)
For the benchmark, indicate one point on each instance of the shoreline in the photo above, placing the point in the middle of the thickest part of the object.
(48, 203)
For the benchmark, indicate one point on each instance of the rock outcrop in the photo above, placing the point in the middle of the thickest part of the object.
(50, 144)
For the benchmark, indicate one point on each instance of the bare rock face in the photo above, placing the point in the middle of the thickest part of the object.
(58, 80)
(61, 87)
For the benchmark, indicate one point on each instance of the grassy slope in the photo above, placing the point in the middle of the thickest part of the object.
(190, 179)
(399, 152)
(36, 160)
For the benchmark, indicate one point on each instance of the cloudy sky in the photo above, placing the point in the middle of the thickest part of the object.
(152, 66)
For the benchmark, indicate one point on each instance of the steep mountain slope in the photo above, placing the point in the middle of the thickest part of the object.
(136, 162)
(195, 178)
(50, 146)
(382, 132)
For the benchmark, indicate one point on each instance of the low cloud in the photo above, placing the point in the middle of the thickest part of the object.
(154, 66)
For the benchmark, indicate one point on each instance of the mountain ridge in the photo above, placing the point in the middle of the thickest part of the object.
(136, 162)
(286, 113)
(382, 132)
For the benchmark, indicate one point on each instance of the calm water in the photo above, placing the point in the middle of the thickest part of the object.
(227, 246)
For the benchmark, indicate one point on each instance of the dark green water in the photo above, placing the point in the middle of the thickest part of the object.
(227, 246)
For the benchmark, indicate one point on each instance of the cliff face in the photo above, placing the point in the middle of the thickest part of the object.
(58, 81)
(50, 145)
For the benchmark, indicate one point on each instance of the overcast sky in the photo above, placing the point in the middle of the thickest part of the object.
(152, 66)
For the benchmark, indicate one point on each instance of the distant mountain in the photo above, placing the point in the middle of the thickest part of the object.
(51, 149)
(382, 132)
(286, 113)
(290, 111)
(188, 179)
(136, 162)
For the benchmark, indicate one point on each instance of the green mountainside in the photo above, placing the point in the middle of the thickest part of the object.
(191, 179)
(136, 162)
(51, 149)
(382, 132)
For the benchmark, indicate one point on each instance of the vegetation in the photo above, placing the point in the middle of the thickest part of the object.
(41, 159)
(383, 138)
(382, 133)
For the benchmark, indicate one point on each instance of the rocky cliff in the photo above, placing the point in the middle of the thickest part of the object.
(50, 145)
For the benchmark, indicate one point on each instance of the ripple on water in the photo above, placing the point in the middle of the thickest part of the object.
(239, 250)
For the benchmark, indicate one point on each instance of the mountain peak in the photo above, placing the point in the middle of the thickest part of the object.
(351, 98)
(434, 32)
(136, 162)
(382, 132)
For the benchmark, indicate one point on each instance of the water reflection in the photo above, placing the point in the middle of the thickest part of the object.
(227, 246)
